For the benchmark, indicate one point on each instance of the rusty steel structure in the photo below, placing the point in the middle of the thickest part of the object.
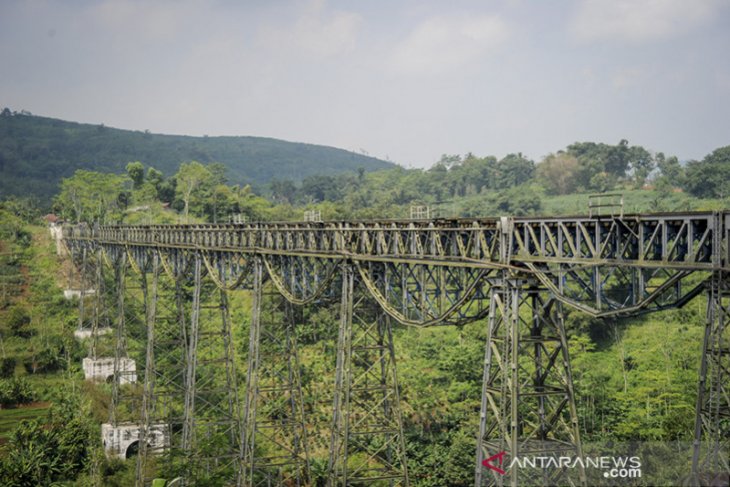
(516, 274)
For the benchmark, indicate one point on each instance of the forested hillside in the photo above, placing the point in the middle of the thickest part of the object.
(36, 152)
(635, 379)
(456, 186)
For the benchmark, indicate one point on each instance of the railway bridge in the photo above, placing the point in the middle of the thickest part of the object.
(515, 274)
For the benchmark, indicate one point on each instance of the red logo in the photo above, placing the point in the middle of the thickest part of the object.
(499, 457)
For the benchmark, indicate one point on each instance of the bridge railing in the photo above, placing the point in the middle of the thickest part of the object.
(678, 241)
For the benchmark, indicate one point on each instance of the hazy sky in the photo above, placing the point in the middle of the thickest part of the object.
(406, 80)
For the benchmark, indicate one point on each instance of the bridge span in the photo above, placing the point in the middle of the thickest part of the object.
(517, 274)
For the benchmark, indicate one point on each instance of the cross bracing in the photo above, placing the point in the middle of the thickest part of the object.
(514, 273)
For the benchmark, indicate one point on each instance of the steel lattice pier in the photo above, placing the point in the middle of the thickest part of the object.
(516, 273)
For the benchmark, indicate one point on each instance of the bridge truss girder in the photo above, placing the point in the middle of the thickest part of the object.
(443, 272)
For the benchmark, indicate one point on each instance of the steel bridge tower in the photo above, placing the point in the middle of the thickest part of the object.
(712, 423)
(528, 401)
(274, 414)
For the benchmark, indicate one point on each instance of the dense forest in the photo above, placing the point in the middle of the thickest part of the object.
(36, 152)
(456, 186)
(635, 379)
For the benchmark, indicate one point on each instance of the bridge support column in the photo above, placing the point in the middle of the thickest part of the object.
(149, 296)
(211, 434)
(101, 310)
(120, 345)
(89, 266)
(191, 361)
(528, 405)
(84, 328)
(712, 422)
(275, 448)
(163, 392)
(99, 365)
(367, 445)
(235, 427)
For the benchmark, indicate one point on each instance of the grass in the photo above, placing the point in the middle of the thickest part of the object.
(10, 418)
(41, 295)
(635, 201)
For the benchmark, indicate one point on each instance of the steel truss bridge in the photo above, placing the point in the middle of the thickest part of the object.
(516, 274)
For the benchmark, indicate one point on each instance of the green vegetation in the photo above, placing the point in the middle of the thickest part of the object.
(36, 152)
(635, 379)
(49, 450)
(472, 186)
(10, 418)
(711, 176)
(456, 186)
(46, 433)
(15, 391)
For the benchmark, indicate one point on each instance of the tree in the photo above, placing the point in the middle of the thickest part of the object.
(670, 169)
(617, 158)
(90, 195)
(513, 170)
(135, 171)
(518, 202)
(18, 320)
(246, 202)
(283, 191)
(595, 158)
(470, 176)
(190, 177)
(602, 182)
(321, 188)
(155, 177)
(710, 178)
(50, 451)
(219, 203)
(557, 172)
(458, 464)
(7, 367)
(218, 173)
(641, 163)
(166, 190)
(449, 161)
(16, 390)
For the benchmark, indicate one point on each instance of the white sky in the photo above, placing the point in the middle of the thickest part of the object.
(405, 80)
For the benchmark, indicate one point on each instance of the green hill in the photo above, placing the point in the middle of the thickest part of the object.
(36, 152)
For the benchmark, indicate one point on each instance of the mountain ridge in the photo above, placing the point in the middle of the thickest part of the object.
(36, 152)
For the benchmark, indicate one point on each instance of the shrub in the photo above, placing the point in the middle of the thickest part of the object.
(7, 367)
(49, 359)
(52, 451)
(18, 319)
(15, 391)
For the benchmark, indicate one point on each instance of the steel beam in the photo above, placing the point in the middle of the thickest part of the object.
(682, 241)
(528, 402)
(710, 458)
(429, 273)
(120, 348)
(150, 297)
(276, 446)
(367, 443)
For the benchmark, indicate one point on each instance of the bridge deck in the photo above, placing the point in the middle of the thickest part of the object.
(687, 240)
